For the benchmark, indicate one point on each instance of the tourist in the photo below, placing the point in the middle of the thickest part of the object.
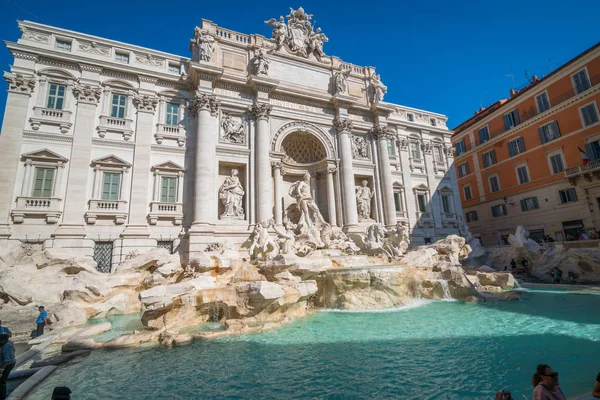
(503, 395)
(557, 275)
(61, 393)
(596, 390)
(4, 330)
(513, 264)
(7, 362)
(545, 382)
(41, 321)
(571, 277)
(525, 264)
(585, 236)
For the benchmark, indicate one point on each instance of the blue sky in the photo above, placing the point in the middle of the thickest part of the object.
(439, 56)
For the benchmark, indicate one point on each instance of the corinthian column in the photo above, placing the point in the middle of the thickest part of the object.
(204, 108)
(389, 209)
(264, 187)
(344, 128)
(17, 104)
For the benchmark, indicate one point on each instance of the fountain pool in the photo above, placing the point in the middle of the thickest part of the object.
(430, 350)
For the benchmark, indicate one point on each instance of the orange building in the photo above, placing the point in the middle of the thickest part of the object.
(518, 162)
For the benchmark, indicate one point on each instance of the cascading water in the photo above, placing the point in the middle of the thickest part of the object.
(446, 288)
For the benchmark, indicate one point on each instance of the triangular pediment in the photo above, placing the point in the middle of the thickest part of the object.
(398, 185)
(168, 166)
(445, 189)
(44, 155)
(421, 187)
(111, 161)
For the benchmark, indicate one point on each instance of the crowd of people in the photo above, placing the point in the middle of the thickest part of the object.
(591, 235)
(521, 268)
(546, 387)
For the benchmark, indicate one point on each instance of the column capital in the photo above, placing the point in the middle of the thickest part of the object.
(449, 151)
(203, 101)
(276, 165)
(343, 125)
(260, 111)
(382, 133)
(87, 93)
(18, 83)
(145, 103)
(403, 143)
(331, 169)
(427, 147)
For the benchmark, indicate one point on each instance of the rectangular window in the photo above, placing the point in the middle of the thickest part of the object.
(589, 114)
(542, 102)
(463, 169)
(489, 158)
(44, 179)
(516, 146)
(398, 202)
(174, 69)
(549, 132)
(172, 114)
(460, 147)
(523, 175)
(168, 192)
(556, 163)
(410, 117)
(64, 45)
(581, 81)
(446, 204)
(494, 184)
(484, 134)
(422, 202)
(467, 191)
(567, 195)
(530, 203)
(592, 150)
(438, 154)
(471, 216)
(415, 152)
(117, 109)
(122, 57)
(56, 96)
(499, 210)
(511, 119)
(432, 121)
(110, 187)
(390, 148)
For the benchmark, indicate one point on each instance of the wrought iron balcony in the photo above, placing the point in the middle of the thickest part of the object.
(116, 209)
(47, 207)
(50, 116)
(165, 211)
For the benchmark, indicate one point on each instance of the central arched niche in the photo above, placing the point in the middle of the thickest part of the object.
(302, 148)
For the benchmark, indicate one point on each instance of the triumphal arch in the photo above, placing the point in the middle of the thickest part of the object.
(110, 144)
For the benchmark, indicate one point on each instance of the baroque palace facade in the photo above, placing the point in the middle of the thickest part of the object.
(109, 148)
(522, 161)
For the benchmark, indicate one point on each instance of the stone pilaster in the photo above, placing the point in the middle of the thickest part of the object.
(20, 88)
(389, 210)
(344, 129)
(277, 180)
(404, 154)
(331, 170)
(71, 232)
(435, 202)
(264, 187)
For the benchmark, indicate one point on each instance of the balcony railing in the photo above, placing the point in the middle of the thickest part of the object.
(401, 215)
(48, 207)
(117, 125)
(164, 210)
(584, 169)
(526, 115)
(116, 209)
(424, 218)
(49, 116)
(172, 132)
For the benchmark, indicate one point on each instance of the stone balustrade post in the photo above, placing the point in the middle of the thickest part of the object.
(264, 187)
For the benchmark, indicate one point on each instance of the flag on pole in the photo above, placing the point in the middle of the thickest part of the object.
(584, 156)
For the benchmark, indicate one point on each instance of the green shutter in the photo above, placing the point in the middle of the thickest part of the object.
(168, 192)
(110, 188)
(44, 179)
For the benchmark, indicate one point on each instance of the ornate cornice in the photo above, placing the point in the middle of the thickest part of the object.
(204, 101)
(168, 149)
(113, 143)
(146, 78)
(47, 137)
(260, 111)
(18, 83)
(90, 68)
(87, 93)
(145, 103)
(58, 63)
(24, 56)
(343, 125)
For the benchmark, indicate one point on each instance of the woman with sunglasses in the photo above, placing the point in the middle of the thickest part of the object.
(545, 382)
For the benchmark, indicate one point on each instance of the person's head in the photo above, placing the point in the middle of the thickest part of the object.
(41, 308)
(0, 322)
(61, 393)
(544, 375)
(3, 338)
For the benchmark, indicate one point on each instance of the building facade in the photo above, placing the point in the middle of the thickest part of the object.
(110, 148)
(518, 161)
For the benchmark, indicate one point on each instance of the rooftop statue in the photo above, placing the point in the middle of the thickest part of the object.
(298, 36)
(340, 79)
(202, 45)
(378, 89)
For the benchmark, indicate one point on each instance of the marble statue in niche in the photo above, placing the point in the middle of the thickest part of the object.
(261, 60)
(341, 81)
(232, 132)
(231, 194)
(363, 201)
(309, 212)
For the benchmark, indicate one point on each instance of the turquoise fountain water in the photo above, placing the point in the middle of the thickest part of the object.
(433, 350)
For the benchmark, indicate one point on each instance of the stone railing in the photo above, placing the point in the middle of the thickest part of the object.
(49, 116)
(401, 215)
(591, 166)
(116, 209)
(48, 207)
(174, 133)
(424, 218)
(164, 210)
(232, 35)
(117, 125)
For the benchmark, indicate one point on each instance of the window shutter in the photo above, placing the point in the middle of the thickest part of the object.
(48, 179)
(535, 203)
(506, 119)
(542, 135)
(522, 145)
(555, 129)
(493, 156)
(523, 205)
(485, 160)
(589, 150)
(573, 194)
(39, 181)
(511, 149)
(163, 190)
(503, 209)
(516, 117)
